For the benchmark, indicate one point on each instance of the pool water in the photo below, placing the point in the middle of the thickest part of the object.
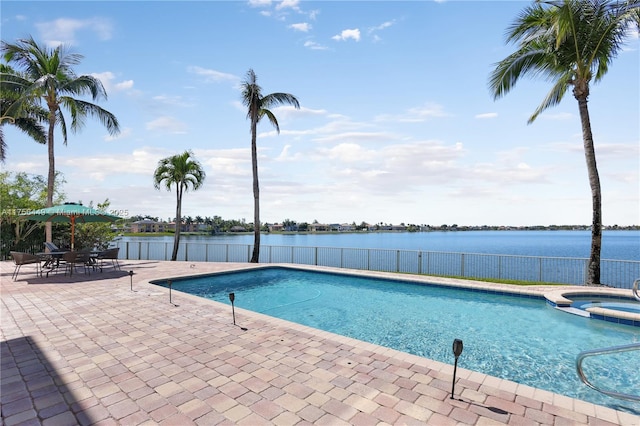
(515, 338)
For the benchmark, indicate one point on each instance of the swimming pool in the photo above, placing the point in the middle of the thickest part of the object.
(522, 339)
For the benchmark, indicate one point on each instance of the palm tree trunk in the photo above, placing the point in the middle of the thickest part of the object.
(51, 176)
(176, 235)
(256, 192)
(593, 272)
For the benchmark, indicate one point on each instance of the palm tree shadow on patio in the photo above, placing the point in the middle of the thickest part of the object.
(28, 374)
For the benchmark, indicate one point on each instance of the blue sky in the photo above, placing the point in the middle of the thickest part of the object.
(397, 123)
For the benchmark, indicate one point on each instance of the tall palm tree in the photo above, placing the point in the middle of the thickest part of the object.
(258, 107)
(49, 79)
(571, 43)
(28, 121)
(184, 172)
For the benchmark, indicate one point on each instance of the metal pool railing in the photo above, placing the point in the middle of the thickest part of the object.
(561, 270)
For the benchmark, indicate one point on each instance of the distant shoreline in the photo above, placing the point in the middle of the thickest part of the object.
(459, 229)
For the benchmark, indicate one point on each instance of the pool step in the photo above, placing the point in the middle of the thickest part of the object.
(574, 311)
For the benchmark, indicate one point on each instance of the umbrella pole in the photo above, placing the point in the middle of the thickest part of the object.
(73, 230)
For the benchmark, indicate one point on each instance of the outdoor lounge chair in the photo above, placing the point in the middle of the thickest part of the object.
(108, 255)
(52, 247)
(25, 259)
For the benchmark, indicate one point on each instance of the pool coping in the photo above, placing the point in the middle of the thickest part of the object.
(69, 316)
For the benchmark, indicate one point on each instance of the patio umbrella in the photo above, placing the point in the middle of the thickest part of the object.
(72, 213)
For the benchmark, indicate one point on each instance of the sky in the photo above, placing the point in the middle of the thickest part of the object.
(396, 124)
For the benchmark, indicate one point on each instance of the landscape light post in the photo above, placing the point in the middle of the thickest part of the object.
(457, 350)
(232, 297)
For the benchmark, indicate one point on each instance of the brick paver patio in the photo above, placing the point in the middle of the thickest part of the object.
(89, 350)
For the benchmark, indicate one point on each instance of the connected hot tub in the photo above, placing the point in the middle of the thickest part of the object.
(613, 305)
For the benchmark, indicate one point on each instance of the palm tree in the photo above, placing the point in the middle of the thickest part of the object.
(571, 43)
(48, 79)
(184, 172)
(257, 107)
(28, 121)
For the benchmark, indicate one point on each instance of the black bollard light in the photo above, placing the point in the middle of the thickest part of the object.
(131, 279)
(232, 297)
(457, 350)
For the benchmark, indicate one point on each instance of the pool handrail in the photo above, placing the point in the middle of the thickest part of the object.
(593, 352)
(635, 290)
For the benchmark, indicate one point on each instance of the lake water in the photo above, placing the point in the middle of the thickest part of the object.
(619, 245)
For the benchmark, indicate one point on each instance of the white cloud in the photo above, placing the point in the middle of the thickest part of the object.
(171, 100)
(416, 114)
(314, 46)
(142, 161)
(487, 115)
(63, 30)
(107, 78)
(259, 3)
(124, 85)
(288, 4)
(212, 75)
(167, 124)
(373, 30)
(382, 26)
(302, 26)
(348, 34)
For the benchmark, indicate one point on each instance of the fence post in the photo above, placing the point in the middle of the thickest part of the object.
(540, 269)
(206, 252)
(227, 253)
(499, 267)
(419, 262)
(186, 252)
(316, 256)
(398, 261)
(462, 265)
(341, 256)
(368, 259)
(249, 253)
(127, 249)
(139, 250)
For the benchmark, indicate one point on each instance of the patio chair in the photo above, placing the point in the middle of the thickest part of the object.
(108, 255)
(72, 259)
(25, 259)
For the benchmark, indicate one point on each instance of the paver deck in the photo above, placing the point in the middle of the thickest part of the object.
(109, 349)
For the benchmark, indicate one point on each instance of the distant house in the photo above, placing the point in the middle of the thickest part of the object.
(345, 227)
(237, 228)
(276, 227)
(318, 227)
(148, 225)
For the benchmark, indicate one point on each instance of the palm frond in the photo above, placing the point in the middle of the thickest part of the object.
(553, 98)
